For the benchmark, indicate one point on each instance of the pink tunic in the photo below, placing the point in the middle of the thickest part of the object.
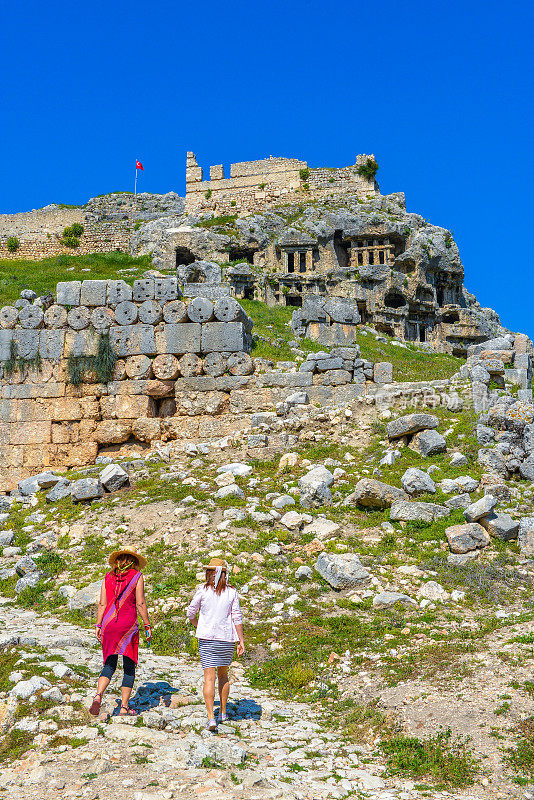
(120, 630)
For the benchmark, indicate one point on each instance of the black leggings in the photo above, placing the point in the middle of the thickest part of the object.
(129, 670)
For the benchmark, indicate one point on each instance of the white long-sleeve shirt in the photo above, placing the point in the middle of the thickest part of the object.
(218, 614)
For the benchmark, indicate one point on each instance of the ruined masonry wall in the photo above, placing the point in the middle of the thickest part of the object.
(162, 344)
(281, 176)
(39, 233)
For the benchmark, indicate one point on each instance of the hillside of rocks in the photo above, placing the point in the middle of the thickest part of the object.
(427, 270)
(382, 546)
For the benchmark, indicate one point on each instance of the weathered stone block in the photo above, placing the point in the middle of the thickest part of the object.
(227, 383)
(147, 429)
(55, 316)
(31, 317)
(113, 477)
(133, 340)
(68, 293)
(223, 337)
(331, 335)
(166, 367)
(113, 431)
(211, 291)
(6, 337)
(371, 493)
(174, 312)
(290, 379)
(411, 423)
(480, 508)
(94, 293)
(26, 342)
(428, 443)
(342, 571)
(31, 432)
(179, 339)
(81, 343)
(502, 526)
(150, 312)
(341, 310)
(325, 364)
(118, 292)
(383, 372)
(86, 489)
(200, 383)
(468, 537)
(204, 403)
(143, 289)
(79, 318)
(67, 409)
(200, 310)
(52, 344)
(102, 318)
(157, 388)
(8, 316)
(126, 313)
(410, 510)
(334, 377)
(127, 407)
(165, 289)
(59, 492)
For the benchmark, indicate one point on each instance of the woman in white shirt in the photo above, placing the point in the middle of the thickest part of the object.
(215, 613)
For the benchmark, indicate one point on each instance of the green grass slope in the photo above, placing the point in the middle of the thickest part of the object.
(42, 276)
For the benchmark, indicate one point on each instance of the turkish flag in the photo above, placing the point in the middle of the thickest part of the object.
(138, 165)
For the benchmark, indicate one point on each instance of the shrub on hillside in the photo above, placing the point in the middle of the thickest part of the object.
(71, 235)
(368, 170)
(13, 244)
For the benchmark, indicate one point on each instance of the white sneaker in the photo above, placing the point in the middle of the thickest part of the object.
(212, 725)
(222, 718)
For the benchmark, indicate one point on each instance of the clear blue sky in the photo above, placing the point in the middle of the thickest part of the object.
(440, 92)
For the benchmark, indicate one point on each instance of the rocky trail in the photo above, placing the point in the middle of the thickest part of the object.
(170, 755)
(269, 748)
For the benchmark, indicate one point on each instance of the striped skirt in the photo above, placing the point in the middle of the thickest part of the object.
(214, 653)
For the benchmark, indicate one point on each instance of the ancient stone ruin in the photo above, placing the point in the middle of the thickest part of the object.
(278, 231)
(253, 185)
(107, 362)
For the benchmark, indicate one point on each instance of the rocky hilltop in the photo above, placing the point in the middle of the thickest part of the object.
(400, 273)
(307, 389)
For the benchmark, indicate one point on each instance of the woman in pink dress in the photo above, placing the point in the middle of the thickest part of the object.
(122, 595)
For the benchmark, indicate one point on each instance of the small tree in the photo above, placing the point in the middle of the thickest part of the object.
(71, 235)
(368, 170)
(13, 244)
(76, 229)
(304, 174)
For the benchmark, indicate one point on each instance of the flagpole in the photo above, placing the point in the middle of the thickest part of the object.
(135, 184)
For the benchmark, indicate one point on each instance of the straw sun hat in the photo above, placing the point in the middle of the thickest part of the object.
(141, 560)
(217, 562)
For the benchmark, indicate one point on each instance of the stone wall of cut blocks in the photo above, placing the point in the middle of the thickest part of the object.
(97, 237)
(255, 185)
(167, 350)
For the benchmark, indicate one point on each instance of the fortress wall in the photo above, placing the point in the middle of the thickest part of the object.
(174, 361)
(254, 186)
(45, 242)
(108, 222)
(344, 179)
